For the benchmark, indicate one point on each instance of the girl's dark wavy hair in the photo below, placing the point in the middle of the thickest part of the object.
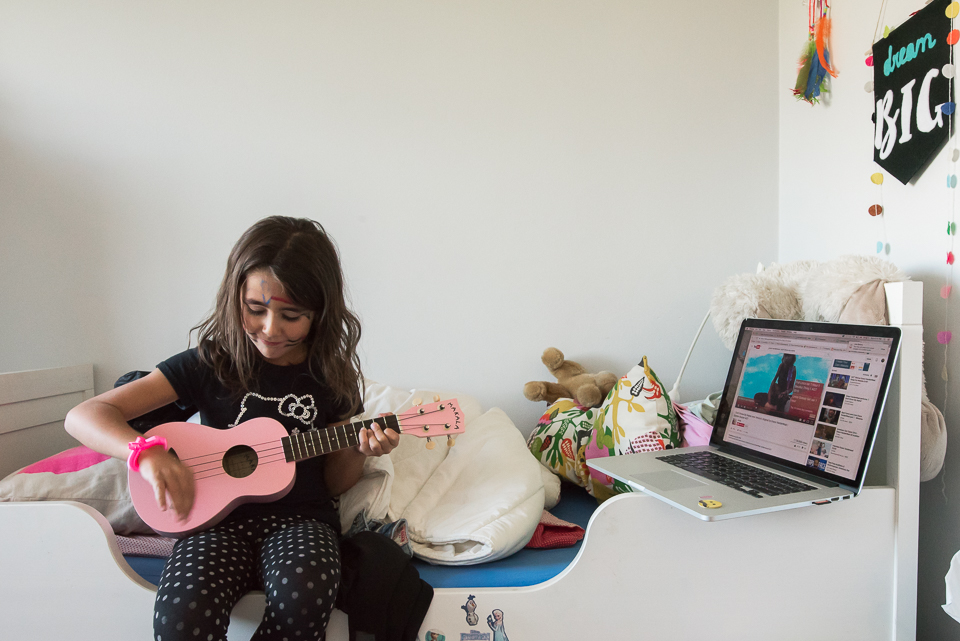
(305, 260)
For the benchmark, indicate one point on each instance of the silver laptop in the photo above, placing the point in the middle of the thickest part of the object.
(796, 423)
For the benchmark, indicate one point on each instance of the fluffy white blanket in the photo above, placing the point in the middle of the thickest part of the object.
(478, 501)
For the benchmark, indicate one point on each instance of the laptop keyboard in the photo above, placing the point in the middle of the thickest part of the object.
(740, 476)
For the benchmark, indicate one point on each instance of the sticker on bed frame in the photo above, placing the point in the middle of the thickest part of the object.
(434, 635)
(470, 607)
(495, 621)
(474, 635)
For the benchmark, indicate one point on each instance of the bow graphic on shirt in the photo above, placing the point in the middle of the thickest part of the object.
(301, 408)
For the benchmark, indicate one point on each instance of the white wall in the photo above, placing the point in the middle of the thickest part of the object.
(826, 160)
(500, 176)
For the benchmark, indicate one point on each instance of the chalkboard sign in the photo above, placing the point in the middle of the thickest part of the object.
(910, 89)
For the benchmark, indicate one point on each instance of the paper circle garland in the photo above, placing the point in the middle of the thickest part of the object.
(875, 210)
(947, 109)
(877, 178)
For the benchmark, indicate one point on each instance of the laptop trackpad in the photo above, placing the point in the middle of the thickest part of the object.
(666, 480)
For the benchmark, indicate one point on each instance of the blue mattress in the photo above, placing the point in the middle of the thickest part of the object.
(526, 567)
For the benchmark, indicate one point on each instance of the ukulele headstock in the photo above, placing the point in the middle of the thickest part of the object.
(440, 418)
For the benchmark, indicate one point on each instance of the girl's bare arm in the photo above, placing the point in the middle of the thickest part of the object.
(101, 424)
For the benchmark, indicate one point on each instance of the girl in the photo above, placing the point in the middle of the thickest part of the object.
(280, 343)
(781, 387)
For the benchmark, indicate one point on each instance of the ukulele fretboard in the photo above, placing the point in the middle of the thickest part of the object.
(304, 445)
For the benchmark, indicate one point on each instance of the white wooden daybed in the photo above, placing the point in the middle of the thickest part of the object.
(645, 571)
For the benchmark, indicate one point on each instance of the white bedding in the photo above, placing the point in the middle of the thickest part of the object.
(478, 501)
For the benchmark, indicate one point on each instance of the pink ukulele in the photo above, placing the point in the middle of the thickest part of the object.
(254, 462)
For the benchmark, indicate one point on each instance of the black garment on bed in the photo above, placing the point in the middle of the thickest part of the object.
(380, 590)
(288, 394)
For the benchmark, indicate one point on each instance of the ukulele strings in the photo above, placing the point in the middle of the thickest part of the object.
(275, 454)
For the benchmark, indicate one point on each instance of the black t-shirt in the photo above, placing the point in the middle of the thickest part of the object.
(288, 394)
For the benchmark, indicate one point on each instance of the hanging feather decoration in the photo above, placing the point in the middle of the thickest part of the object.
(822, 38)
(803, 76)
(815, 59)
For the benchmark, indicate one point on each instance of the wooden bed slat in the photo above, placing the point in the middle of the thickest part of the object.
(37, 411)
(24, 386)
(32, 408)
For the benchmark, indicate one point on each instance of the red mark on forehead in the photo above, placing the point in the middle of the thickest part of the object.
(265, 290)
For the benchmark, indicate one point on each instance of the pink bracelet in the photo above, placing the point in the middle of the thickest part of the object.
(138, 446)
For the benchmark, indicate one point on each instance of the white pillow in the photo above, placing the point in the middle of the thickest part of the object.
(372, 492)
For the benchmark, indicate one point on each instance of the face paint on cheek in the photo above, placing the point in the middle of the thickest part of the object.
(301, 339)
(306, 334)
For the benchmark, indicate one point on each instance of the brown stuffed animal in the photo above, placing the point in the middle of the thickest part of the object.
(573, 381)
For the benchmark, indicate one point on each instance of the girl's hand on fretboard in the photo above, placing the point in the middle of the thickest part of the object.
(375, 441)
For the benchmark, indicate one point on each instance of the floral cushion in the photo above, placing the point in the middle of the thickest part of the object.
(560, 437)
(637, 416)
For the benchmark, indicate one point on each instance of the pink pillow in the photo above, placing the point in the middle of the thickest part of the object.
(82, 475)
(72, 460)
(694, 429)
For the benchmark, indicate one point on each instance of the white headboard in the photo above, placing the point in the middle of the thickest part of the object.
(32, 408)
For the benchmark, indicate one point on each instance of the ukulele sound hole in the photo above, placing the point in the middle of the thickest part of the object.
(240, 461)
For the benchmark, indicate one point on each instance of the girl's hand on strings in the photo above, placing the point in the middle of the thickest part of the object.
(376, 441)
(171, 480)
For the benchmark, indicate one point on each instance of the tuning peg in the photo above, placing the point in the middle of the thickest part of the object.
(430, 443)
(417, 401)
(436, 398)
(451, 441)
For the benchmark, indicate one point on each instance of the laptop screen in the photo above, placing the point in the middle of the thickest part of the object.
(807, 395)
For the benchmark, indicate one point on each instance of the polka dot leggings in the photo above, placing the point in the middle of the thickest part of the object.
(295, 562)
